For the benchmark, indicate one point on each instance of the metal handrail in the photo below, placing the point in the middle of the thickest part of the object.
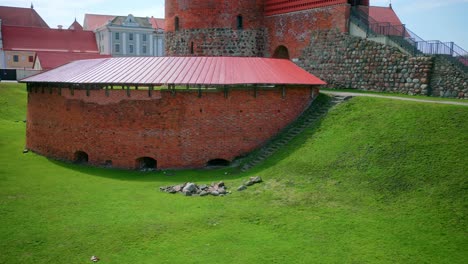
(409, 40)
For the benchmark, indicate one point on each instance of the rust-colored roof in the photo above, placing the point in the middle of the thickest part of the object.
(180, 71)
(93, 21)
(158, 23)
(46, 39)
(50, 60)
(75, 26)
(17, 16)
(384, 15)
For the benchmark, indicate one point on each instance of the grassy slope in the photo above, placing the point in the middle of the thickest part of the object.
(378, 181)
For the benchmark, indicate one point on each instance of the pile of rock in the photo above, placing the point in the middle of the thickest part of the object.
(190, 188)
(250, 182)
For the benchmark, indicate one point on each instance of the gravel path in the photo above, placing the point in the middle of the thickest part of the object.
(395, 98)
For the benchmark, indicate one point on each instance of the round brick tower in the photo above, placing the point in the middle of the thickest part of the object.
(215, 28)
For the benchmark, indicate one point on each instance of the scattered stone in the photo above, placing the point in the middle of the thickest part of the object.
(190, 189)
(25, 151)
(241, 188)
(94, 259)
(253, 180)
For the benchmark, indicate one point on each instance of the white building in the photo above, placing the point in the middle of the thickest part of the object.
(122, 36)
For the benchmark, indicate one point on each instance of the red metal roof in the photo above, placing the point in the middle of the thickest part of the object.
(17, 16)
(50, 60)
(180, 71)
(92, 21)
(46, 39)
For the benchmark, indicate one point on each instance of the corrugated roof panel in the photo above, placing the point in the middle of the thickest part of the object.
(179, 71)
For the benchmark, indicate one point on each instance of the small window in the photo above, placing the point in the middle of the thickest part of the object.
(130, 36)
(130, 48)
(176, 23)
(144, 37)
(15, 58)
(144, 49)
(31, 58)
(117, 35)
(240, 22)
(117, 48)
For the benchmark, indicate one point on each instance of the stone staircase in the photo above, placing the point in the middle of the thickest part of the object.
(315, 112)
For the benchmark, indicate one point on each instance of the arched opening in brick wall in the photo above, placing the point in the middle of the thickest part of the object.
(281, 52)
(146, 163)
(218, 163)
(80, 157)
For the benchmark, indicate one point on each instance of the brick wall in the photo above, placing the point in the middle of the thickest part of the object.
(294, 30)
(180, 131)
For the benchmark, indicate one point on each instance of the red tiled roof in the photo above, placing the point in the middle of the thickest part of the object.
(180, 71)
(158, 23)
(50, 60)
(384, 15)
(17, 16)
(45, 39)
(92, 21)
(75, 26)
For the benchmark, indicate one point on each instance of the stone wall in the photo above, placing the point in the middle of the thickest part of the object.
(180, 130)
(345, 61)
(447, 80)
(216, 42)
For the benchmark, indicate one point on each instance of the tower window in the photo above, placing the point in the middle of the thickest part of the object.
(240, 22)
(176, 23)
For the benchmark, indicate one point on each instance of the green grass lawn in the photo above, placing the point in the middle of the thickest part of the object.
(417, 96)
(377, 181)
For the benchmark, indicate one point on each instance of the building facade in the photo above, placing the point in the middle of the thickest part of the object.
(122, 36)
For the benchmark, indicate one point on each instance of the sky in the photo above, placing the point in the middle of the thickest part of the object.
(445, 20)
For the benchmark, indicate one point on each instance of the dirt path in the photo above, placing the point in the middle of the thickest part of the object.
(395, 98)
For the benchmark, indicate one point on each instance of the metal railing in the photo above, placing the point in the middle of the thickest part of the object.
(409, 40)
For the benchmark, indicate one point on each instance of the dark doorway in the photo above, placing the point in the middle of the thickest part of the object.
(281, 52)
(218, 163)
(81, 157)
(146, 163)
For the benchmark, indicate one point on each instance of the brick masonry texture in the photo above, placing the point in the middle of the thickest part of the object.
(179, 131)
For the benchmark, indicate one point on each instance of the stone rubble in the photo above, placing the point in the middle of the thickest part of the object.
(192, 189)
(215, 189)
(250, 182)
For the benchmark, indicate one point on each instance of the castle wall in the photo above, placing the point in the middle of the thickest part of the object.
(447, 80)
(179, 131)
(345, 61)
(216, 42)
(294, 30)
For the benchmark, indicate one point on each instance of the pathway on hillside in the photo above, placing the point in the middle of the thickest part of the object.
(394, 98)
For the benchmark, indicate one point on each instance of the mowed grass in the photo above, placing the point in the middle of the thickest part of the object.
(377, 181)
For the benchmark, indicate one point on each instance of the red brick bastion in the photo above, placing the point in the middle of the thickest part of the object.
(178, 131)
(163, 112)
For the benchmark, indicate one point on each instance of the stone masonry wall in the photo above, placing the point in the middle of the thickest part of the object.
(447, 80)
(345, 61)
(216, 42)
(179, 131)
